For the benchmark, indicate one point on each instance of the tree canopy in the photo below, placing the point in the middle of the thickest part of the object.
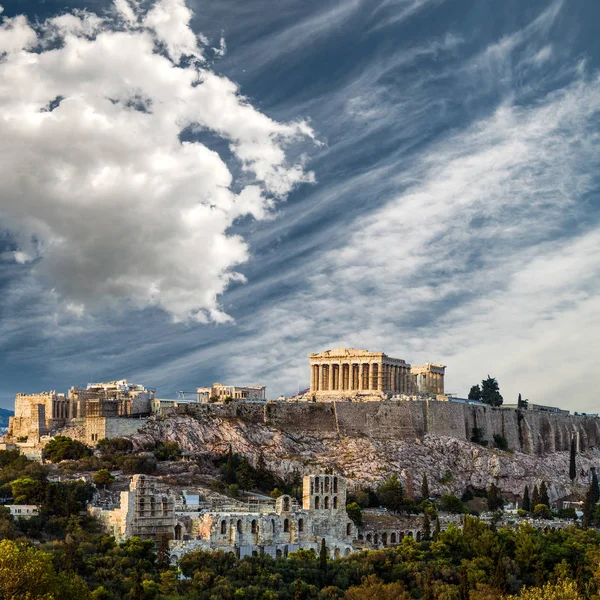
(490, 392)
(62, 447)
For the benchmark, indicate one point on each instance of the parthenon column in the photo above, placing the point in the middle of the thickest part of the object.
(365, 376)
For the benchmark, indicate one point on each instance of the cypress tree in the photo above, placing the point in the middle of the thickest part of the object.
(495, 501)
(544, 499)
(464, 588)
(426, 528)
(595, 489)
(588, 508)
(500, 580)
(323, 556)
(572, 465)
(526, 500)
(425, 488)
(230, 476)
(163, 558)
(535, 497)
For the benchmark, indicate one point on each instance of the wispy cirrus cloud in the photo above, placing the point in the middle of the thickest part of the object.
(455, 216)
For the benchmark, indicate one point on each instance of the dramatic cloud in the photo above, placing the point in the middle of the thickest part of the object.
(485, 255)
(105, 179)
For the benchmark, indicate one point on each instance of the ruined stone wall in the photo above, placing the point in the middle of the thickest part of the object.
(532, 432)
(98, 428)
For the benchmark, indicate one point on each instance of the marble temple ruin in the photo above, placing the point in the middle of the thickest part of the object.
(350, 371)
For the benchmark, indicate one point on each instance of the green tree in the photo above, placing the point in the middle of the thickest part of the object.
(494, 499)
(323, 556)
(490, 392)
(28, 574)
(229, 469)
(535, 496)
(591, 499)
(544, 498)
(391, 494)
(594, 487)
(563, 590)
(475, 393)
(588, 508)
(522, 404)
(62, 447)
(167, 451)
(103, 478)
(355, 513)
(572, 462)
(542, 511)
(526, 501)
(163, 557)
(425, 488)
(426, 528)
(450, 503)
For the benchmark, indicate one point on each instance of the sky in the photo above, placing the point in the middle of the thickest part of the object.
(208, 191)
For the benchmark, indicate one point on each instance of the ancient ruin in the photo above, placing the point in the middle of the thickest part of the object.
(275, 527)
(353, 372)
(219, 392)
(39, 415)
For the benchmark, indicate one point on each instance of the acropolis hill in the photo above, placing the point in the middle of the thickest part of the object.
(366, 415)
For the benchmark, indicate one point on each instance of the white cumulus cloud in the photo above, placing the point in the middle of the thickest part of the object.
(103, 183)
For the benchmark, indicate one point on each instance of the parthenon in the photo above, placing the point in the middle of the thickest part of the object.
(350, 371)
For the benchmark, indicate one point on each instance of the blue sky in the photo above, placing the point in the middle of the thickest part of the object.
(413, 176)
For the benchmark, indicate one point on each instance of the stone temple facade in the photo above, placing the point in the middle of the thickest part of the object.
(351, 372)
(271, 527)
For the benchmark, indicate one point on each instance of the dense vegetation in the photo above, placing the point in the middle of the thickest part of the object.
(62, 554)
(475, 563)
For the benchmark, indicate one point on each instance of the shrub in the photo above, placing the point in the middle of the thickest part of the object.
(103, 477)
(450, 503)
(477, 436)
(64, 448)
(355, 513)
(500, 441)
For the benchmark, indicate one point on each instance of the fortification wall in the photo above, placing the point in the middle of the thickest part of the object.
(529, 431)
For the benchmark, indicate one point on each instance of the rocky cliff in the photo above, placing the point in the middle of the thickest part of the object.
(327, 441)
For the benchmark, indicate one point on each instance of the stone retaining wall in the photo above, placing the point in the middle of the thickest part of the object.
(532, 432)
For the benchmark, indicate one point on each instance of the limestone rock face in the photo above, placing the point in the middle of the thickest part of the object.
(452, 465)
